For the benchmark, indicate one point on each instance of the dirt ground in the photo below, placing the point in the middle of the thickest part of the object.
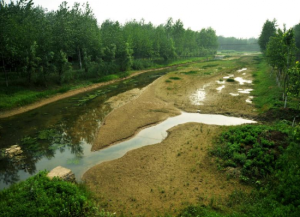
(168, 176)
(137, 109)
(164, 177)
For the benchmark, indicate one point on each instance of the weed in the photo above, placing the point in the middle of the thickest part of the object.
(190, 73)
(230, 80)
(175, 78)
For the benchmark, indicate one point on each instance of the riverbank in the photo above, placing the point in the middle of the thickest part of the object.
(47, 97)
(179, 171)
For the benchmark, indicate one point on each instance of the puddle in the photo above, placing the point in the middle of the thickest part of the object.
(152, 135)
(198, 97)
(241, 70)
(220, 88)
(245, 90)
(234, 94)
(242, 81)
(249, 99)
(220, 82)
(228, 76)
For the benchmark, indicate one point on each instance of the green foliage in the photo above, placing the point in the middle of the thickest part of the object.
(40, 196)
(252, 148)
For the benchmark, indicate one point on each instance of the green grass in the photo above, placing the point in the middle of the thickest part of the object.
(266, 93)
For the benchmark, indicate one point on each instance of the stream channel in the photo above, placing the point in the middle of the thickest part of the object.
(62, 133)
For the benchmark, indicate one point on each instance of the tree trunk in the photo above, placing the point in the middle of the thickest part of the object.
(79, 57)
(285, 101)
(294, 122)
(5, 72)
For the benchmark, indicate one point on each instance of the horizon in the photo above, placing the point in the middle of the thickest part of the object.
(228, 23)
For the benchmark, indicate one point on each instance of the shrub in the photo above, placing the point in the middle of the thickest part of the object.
(253, 148)
(40, 196)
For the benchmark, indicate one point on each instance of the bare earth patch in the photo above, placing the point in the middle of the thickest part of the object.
(164, 177)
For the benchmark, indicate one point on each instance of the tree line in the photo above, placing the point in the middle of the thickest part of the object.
(37, 45)
(281, 49)
(238, 44)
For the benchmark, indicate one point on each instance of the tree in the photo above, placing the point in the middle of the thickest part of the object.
(268, 30)
(297, 36)
(280, 54)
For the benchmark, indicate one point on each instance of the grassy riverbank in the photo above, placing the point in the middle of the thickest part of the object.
(17, 94)
(264, 156)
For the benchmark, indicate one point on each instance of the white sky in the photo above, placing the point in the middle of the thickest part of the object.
(238, 18)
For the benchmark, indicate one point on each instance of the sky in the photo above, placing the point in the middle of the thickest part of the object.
(237, 18)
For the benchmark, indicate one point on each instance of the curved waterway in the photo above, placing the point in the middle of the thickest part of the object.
(62, 133)
(59, 130)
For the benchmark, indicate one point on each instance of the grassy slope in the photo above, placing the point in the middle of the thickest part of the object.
(16, 96)
(276, 194)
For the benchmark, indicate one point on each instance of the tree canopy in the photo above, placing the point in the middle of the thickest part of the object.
(38, 44)
(268, 30)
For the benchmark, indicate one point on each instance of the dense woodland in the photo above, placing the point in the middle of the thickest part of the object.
(37, 45)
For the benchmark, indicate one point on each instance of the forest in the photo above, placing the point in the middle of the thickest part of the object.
(38, 47)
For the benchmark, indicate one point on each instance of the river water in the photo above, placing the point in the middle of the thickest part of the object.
(49, 133)
(61, 133)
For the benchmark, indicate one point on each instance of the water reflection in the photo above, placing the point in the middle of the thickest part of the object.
(57, 133)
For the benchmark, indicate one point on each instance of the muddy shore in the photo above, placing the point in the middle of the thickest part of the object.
(179, 171)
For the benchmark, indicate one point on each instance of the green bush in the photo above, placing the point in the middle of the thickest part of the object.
(253, 148)
(40, 196)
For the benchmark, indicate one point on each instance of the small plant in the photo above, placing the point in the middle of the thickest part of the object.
(190, 73)
(168, 81)
(175, 78)
(230, 80)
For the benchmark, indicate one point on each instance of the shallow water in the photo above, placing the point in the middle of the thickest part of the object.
(241, 70)
(249, 99)
(80, 163)
(242, 81)
(247, 91)
(199, 96)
